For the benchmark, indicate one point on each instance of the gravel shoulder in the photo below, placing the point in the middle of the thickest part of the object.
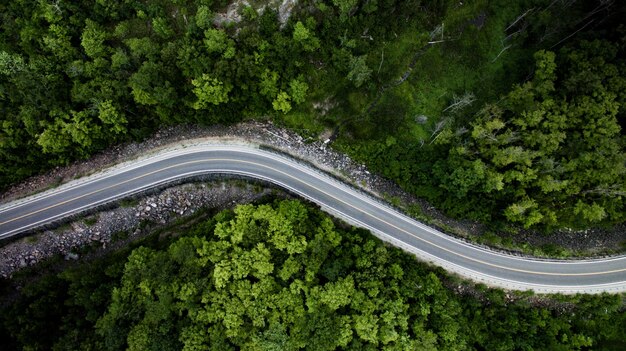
(132, 219)
(185, 199)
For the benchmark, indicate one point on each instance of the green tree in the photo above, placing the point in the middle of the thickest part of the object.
(359, 71)
(298, 90)
(112, 118)
(11, 64)
(162, 28)
(58, 42)
(204, 17)
(345, 6)
(551, 152)
(147, 83)
(215, 40)
(281, 103)
(92, 39)
(304, 37)
(53, 139)
(209, 91)
(269, 83)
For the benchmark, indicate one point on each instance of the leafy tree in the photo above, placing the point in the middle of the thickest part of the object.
(282, 276)
(209, 91)
(142, 48)
(345, 6)
(551, 151)
(204, 17)
(145, 84)
(304, 37)
(162, 28)
(269, 83)
(92, 39)
(298, 90)
(54, 139)
(58, 42)
(111, 117)
(215, 40)
(11, 64)
(359, 71)
(281, 103)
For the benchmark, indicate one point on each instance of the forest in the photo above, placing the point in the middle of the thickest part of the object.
(282, 275)
(505, 112)
(497, 111)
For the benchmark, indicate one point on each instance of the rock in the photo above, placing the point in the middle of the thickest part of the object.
(22, 262)
(71, 256)
(421, 119)
(147, 209)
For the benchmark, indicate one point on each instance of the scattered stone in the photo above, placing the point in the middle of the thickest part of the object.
(421, 119)
(180, 200)
(71, 256)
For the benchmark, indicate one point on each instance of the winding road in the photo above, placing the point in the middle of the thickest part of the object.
(467, 260)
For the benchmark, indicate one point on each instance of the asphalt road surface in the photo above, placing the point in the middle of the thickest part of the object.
(476, 263)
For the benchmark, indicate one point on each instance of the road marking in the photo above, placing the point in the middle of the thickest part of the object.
(422, 239)
(327, 194)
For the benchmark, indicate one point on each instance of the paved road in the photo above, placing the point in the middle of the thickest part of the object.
(479, 264)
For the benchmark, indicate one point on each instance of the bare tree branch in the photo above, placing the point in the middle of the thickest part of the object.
(500, 53)
(519, 18)
(438, 129)
(571, 35)
(459, 102)
(612, 191)
(382, 58)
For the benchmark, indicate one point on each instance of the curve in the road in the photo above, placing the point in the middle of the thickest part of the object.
(470, 261)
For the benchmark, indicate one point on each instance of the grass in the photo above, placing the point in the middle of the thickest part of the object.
(463, 63)
(119, 236)
(32, 239)
(302, 121)
(63, 227)
(467, 62)
(131, 202)
(89, 221)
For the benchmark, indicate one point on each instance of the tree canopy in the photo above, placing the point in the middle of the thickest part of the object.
(553, 149)
(283, 276)
(78, 77)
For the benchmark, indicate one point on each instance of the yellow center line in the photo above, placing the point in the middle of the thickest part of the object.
(99, 190)
(323, 192)
(438, 246)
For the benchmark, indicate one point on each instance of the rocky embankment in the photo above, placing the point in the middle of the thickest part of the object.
(105, 228)
(182, 200)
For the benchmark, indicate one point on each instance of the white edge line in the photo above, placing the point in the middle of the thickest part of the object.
(468, 273)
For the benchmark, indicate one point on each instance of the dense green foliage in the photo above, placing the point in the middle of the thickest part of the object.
(77, 76)
(552, 151)
(441, 96)
(283, 276)
(549, 153)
